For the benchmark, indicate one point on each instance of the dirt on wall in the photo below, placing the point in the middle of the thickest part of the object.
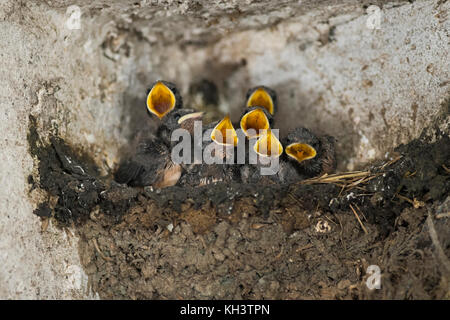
(311, 240)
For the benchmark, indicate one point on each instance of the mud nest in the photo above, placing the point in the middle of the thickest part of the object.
(311, 240)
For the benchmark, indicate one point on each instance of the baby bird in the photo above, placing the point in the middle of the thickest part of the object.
(204, 96)
(219, 142)
(266, 150)
(150, 165)
(307, 155)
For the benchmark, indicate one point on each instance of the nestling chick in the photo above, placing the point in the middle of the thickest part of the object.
(150, 165)
(204, 96)
(220, 140)
(266, 151)
(307, 155)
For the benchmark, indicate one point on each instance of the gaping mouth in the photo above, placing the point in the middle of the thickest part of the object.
(261, 98)
(268, 145)
(224, 133)
(160, 100)
(300, 151)
(253, 122)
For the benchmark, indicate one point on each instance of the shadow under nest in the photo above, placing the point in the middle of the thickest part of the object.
(311, 239)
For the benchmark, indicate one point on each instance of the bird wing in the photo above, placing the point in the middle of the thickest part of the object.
(128, 171)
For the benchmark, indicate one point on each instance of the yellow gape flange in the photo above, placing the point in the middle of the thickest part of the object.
(224, 133)
(268, 145)
(256, 120)
(300, 151)
(160, 100)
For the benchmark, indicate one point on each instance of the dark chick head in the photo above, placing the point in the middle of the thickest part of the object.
(205, 92)
(262, 96)
(179, 118)
(254, 121)
(312, 155)
(162, 98)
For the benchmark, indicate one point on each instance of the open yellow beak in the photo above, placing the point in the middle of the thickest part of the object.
(256, 120)
(261, 98)
(224, 133)
(300, 151)
(160, 100)
(268, 145)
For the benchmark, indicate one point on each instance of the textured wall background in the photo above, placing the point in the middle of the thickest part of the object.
(371, 88)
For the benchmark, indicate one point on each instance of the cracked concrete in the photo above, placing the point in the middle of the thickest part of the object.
(371, 88)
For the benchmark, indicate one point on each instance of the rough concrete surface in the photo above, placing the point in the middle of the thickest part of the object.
(371, 88)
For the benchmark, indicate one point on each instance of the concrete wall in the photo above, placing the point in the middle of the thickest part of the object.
(371, 88)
